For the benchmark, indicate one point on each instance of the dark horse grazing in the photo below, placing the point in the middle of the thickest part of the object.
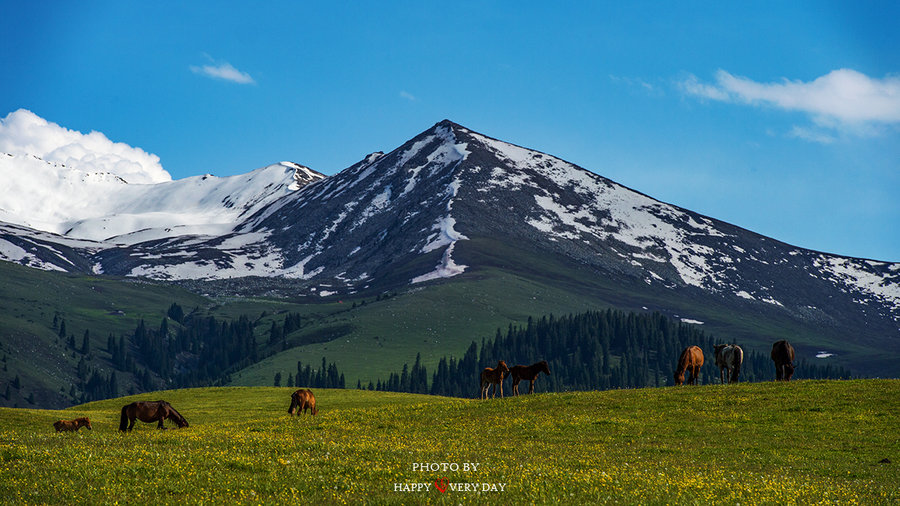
(490, 377)
(783, 356)
(529, 373)
(729, 358)
(149, 412)
(691, 360)
(72, 425)
(301, 400)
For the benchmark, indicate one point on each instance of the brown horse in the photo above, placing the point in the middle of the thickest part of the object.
(72, 425)
(301, 400)
(729, 358)
(490, 377)
(783, 356)
(529, 373)
(156, 411)
(691, 360)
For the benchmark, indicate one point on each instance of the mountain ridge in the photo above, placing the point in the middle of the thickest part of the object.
(424, 212)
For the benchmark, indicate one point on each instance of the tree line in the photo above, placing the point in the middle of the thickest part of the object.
(595, 350)
(183, 350)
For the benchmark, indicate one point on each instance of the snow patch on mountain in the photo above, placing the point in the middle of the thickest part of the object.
(862, 276)
(658, 231)
(447, 268)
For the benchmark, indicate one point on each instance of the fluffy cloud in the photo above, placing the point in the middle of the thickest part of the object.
(23, 132)
(224, 71)
(843, 98)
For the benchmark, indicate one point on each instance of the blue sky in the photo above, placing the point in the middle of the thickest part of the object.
(780, 117)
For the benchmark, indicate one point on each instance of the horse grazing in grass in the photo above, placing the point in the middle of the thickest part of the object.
(530, 373)
(301, 400)
(729, 358)
(691, 360)
(490, 377)
(156, 411)
(72, 425)
(783, 356)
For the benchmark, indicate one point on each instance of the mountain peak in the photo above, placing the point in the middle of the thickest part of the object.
(431, 208)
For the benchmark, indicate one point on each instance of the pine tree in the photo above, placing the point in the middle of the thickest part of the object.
(86, 343)
(176, 313)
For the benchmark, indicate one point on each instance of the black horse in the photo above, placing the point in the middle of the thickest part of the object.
(783, 356)
(529, 373)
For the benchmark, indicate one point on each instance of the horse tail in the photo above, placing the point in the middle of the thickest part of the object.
(123, 421)
(738, 360)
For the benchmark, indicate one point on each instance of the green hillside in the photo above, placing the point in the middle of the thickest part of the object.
(31, 348)
(443, 319)
(367, 337)
(379, 336)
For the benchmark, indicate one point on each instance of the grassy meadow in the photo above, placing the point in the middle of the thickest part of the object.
(799, 442)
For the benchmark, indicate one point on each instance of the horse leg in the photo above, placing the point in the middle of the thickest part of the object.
(531, 387)
(131, 424)
(515, 387)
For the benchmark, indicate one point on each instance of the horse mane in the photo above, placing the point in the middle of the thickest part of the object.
(683, 361)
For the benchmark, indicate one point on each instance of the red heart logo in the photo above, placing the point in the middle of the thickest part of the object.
(441, 484)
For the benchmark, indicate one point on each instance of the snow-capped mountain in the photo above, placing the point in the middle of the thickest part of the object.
(101, 206)
(450, 201)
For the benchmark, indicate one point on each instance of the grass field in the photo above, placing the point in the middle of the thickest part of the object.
(802, 442)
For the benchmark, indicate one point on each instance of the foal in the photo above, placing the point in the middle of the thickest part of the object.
(72, 425)
(491, 377)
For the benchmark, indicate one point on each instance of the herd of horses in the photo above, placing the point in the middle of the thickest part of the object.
(728, 358)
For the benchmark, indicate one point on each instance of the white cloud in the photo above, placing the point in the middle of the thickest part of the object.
(23, 132)
(692, 86)
(224, 71)
(842, 99)
(811, 135)
(636, 82)
(408, 96)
